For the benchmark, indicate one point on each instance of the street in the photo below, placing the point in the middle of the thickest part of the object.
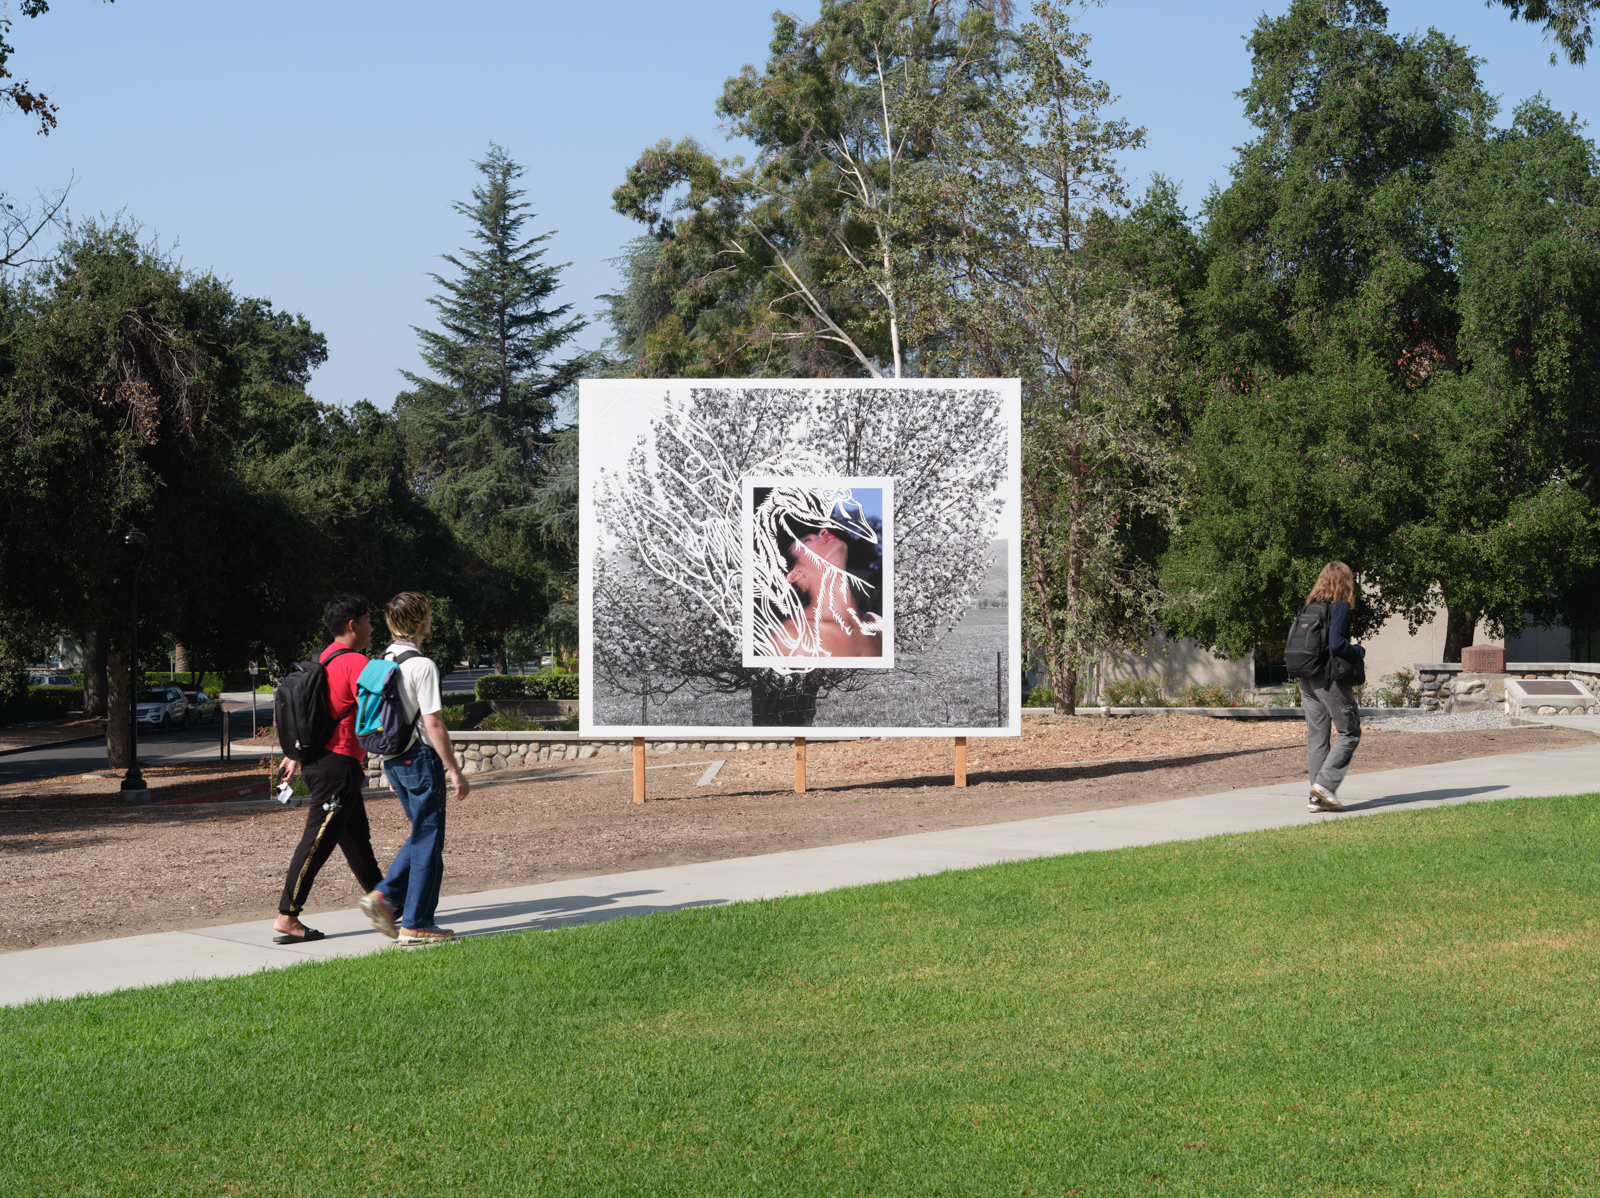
(193, 744)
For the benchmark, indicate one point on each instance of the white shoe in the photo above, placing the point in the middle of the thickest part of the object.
(1324, 798)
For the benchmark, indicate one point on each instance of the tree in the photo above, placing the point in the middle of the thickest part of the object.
(480, 428)
(796, 265)
(1567, 21)
(1026, 284)
(1353, 409)
(111, 396)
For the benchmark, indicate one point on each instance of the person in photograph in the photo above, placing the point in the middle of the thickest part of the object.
(835, 579)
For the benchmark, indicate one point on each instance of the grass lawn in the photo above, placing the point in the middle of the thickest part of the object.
(1403, 1004)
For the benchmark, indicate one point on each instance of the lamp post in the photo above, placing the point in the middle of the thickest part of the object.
(134, 789)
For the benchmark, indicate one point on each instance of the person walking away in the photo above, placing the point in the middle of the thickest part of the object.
(417, 776)
(335, 812)
(1327, 683)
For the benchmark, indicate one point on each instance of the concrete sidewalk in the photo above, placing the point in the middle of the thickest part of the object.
(244, 948)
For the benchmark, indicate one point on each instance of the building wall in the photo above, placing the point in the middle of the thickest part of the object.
(1178, 664)
(1394, 647)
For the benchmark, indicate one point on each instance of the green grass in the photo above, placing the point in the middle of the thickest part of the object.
(1399, 1005)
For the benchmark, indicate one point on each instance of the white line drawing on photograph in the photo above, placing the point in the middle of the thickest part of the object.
(819, 573)
(672, 638)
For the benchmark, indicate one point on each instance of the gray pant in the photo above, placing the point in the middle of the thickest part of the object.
(1326, 703)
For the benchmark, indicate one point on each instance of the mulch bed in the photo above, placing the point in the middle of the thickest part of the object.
(96, 871)
(20, 736)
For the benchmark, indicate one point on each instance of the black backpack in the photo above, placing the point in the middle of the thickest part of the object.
(303, 712)
(1305, 652)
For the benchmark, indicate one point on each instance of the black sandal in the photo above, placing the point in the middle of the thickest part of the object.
(291, 938)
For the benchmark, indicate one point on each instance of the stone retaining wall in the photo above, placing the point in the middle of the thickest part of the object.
(482, 752)
(1447, 688)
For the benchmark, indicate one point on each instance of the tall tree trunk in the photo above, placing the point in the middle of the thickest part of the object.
(119, 739)
(1459, 627)
(499, 658)
(94, 670)
(784, 702)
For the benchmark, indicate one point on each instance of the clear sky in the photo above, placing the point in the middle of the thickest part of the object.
(311, 152)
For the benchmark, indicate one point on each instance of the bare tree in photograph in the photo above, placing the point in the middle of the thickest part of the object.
(669, 583)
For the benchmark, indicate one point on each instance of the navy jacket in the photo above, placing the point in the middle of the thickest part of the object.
(1339, 633)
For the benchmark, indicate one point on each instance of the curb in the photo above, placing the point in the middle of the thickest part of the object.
(52, 744)
(1221, 713)
(215, 796)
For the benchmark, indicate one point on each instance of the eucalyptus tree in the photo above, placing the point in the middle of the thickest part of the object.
(1027, 282)
(1569, 22)
(796, 265)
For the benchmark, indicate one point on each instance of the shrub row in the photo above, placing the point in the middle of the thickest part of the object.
(41, 703)
(527, 686)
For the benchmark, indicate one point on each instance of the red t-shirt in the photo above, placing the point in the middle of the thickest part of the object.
(342, 674)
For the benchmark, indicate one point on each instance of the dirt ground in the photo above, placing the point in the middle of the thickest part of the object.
(73, 868)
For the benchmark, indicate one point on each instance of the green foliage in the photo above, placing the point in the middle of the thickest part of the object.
(44, 703)
(1039, 696)
(454, 715)
(1568, 22)
(544, 685)
(478, 428)
(1396, 334)
(1037, 280)
(1208, 694)
(795, 265)
(1396, 691)
(1135, 692)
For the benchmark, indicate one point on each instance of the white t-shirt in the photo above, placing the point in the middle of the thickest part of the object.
(419, 689)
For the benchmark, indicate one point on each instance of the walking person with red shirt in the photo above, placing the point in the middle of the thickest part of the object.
(335, 813)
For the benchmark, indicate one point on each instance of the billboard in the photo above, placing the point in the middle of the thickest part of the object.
(828, 557)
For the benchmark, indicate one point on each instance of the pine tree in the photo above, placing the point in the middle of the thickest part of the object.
(481, 425)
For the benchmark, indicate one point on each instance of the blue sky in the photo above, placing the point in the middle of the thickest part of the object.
(311, 152)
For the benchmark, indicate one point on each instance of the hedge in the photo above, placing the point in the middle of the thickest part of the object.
(42, 703)
(527, 686)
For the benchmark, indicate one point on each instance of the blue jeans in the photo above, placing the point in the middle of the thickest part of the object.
(412, 884)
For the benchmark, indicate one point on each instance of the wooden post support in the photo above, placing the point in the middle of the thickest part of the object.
(961, 761)
(638, 769)
(799, 765)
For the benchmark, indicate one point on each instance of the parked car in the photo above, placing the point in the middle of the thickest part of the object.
(51, 680)
(203, 707)
(162, 707)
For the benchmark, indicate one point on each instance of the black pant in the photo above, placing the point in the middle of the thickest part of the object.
(336, 815)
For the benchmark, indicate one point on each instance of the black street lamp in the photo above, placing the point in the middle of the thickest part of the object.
(134, 789)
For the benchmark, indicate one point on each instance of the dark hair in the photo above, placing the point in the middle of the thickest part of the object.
(864, 557)
(341, 609)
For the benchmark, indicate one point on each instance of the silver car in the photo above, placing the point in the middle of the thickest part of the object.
(202, 707)
(162, 707)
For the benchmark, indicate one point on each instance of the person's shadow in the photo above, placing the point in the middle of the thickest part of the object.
(1423, 796)
(565, 911)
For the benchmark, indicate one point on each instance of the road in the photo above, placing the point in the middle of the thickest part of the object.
(194, 744)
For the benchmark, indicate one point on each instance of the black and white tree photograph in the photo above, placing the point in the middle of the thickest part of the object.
(837, 555)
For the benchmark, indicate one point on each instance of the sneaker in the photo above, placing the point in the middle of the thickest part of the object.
(376, 908)
(1313, 806)
(1324, 798)
(426, 935)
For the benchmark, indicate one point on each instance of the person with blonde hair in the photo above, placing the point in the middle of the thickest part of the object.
(1328, 666)
(402, 906)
